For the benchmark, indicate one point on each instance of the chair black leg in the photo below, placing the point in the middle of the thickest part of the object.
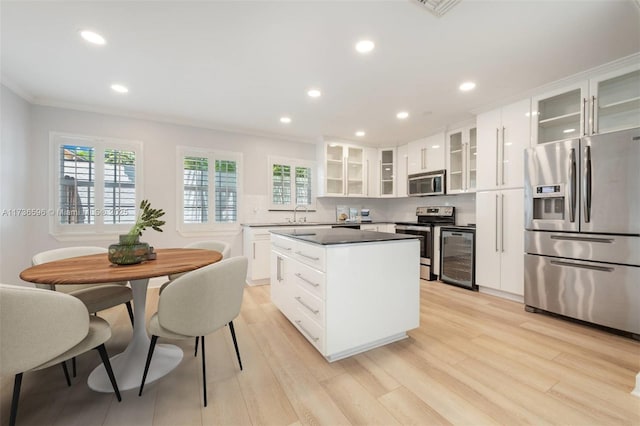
(17, 383)
(66, 372)
(73, 365)
(235, 342)
(107, 366)
(152, 346)
(130, 310)
(196, 352)
(204, 373)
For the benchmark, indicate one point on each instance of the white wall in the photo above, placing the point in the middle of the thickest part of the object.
(15, 180)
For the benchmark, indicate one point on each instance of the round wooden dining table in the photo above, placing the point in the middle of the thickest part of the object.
(127, 366)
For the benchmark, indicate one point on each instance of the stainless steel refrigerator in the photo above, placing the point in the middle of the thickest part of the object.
(582, 237)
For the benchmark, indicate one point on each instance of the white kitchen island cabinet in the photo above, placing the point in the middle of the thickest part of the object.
(346, 290)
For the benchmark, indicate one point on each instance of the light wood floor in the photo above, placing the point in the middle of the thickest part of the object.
(475, 360)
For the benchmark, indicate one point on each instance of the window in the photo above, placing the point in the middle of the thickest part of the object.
(96, 184)
(209, 192)
(291, 183)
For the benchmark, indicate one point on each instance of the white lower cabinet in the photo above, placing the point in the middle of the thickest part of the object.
(352, 298)
(256, 247)
(500, 240)
(379, 227)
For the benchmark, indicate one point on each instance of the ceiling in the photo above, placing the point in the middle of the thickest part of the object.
(242, 65)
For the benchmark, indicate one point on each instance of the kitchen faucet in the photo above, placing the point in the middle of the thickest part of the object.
(295, 210)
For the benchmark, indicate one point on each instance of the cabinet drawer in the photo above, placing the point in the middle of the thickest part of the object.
(309, 304)
(310, 279)
(281, 244)
(309, 329)
(311, 255)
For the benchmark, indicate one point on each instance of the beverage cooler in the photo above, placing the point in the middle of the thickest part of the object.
(458, 256)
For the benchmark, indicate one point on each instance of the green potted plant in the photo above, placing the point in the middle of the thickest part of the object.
(130, 250)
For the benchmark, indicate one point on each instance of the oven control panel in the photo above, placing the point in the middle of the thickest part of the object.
(443, 211)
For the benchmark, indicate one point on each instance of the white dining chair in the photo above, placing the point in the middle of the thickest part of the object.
(199, 303)
(96, 297)
(41, 328)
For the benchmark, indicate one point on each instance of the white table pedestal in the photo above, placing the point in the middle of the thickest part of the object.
(128, 366)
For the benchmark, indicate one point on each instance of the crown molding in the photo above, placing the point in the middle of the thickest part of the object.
(16, 88)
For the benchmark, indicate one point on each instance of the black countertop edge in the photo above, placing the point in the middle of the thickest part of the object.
(342, 236)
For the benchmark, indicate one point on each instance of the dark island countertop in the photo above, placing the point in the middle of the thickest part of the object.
(342, 236)
(300, 224)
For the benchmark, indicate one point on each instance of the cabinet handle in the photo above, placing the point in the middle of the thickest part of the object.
(584, 116)
(254, 251)
(496, 223)
(307, 332)
(280, 247)
(314, 311)
(502, 224)
(503, 144)
(307, 256)
(497, 135)
(465, 167)
(594, 128)
(346, 176)
(367, 181)
(381, 176)
(299, 275)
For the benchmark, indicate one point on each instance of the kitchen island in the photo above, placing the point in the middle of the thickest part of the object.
(346, 290)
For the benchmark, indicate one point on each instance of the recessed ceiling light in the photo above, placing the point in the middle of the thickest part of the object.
(314, 93)
(119, 88)
(92, 37)
(360, 133)
(402, 115)
(568, 130)
(285, 120)
(435, 146)
(467, 85)
(365, 46)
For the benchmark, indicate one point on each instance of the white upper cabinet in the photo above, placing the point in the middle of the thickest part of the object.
(344, 170)
(606, 103)
(372, 172)
(386, 172)
(426, 154)
(402, 170)
(503, 135)
(461, 160)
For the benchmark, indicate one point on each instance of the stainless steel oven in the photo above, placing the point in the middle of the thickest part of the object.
(427, 218)
(425, 232)
(430, 183)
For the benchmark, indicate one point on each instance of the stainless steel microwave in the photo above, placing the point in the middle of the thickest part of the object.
(429, 183)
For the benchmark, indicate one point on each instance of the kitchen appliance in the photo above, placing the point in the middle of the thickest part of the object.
(582, 238)
(427, 219)
(429, 183)
(458, 256)
(365, 215)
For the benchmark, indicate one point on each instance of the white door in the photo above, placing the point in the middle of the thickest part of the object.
(260, 262)
(512, 241)
(488, 239)
(515, 138)
(488, 135)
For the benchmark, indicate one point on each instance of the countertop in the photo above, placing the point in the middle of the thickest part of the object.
(343, 236)
(273, 225)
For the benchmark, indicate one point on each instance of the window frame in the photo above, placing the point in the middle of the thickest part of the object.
(212, 227)
(98, 230)
(292, 163)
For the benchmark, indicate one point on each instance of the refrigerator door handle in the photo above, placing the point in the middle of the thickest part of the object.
(572, 186)
(580, 265)
(587, 184)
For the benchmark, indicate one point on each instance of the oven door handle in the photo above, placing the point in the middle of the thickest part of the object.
(413, 228)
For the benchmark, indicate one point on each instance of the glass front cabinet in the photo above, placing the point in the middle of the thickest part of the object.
(345, 170)
(604, 104)
(461, 160)
(387, 168)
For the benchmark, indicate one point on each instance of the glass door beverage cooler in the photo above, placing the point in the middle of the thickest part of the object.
(458, 256)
